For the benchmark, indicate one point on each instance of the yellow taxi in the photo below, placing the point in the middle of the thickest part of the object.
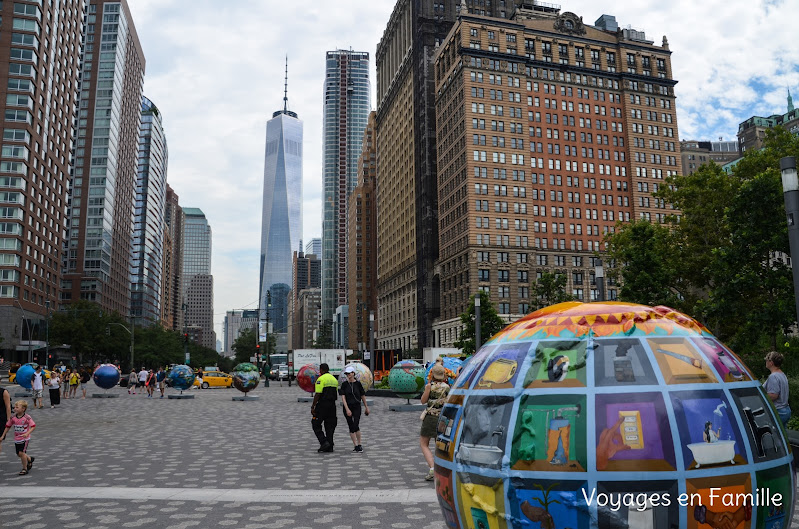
(215, 379)
(12, 377)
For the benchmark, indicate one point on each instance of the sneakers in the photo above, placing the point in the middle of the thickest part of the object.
(325, 448)
(358, 449)
(430, 475)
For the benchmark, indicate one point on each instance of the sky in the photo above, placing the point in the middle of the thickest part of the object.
(215, 70)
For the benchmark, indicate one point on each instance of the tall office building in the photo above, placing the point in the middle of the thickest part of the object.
(362, 244)
(307, 274)
(408, 289)
(237, 321)
(550, 131)
(314, 246)
(345, 113)
(198, 283)
(172, 269)
(281, 222)
(149, 220)
(39, 68)
(104, 184)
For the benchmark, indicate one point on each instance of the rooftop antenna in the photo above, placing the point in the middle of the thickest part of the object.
(286, 87)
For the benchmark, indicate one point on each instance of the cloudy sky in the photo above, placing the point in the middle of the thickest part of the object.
(215, 70)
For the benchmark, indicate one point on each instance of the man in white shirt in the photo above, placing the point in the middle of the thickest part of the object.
(37, 385)
(142, 377)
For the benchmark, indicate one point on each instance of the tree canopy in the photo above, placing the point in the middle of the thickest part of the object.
(490, 324)
(550, 289)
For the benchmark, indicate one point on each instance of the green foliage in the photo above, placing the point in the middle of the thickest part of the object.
(324, 340)
(490, 324)
(550, 289)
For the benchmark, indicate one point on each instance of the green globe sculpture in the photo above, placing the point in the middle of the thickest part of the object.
(406, 379)
(246, 377)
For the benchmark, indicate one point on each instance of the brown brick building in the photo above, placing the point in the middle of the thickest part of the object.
(549, 132)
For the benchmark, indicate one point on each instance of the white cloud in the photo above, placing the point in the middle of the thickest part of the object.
(217, 75)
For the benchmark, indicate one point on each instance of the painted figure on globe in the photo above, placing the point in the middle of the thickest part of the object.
(611, 415)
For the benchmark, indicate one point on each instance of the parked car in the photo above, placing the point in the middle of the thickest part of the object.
(283, 372)
(12, 377)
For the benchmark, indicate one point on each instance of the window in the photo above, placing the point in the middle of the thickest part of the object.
(503, 308)
(24, 24)
(503, 276)
(483, 274)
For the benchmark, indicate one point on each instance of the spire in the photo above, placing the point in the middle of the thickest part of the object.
(286, 87)
(790, 101)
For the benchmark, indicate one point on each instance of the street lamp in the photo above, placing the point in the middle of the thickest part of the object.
(47, 338)
(130, 331)
(599, 273)
(790, 192)
(28, 325)
(372, 341)
(477, 322)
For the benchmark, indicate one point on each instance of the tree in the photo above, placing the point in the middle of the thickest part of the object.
(490, 324)
(244, 346)
(550, 289)
(324, 340)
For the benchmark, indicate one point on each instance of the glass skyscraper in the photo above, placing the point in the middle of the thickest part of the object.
(281, 224)
(346, 112)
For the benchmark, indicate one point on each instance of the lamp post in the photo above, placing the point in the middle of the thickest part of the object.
(477, 322)
(790, 192)
(372, 341)
(130, 331)
(599, 273)
(47, 338)
(28, 325)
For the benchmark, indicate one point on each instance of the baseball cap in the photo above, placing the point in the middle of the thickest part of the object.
(349, 369)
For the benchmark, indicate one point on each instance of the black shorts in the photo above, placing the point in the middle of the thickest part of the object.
(21, 447)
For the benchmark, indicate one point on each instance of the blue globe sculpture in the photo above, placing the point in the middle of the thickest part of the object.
(181, 377)
(246, 377)
(606, 416)
(451, 365)
(106, 376)
(24, 374)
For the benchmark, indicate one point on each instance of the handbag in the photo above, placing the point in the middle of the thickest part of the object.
(423, 415)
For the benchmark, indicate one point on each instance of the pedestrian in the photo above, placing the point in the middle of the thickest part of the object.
(65, 374)
(37, 384)
(85, 376)
(150, 383)
(5, 406)
(199, 377)
(435, 395)
(74, 383)
(54, 386)
(23, 428)
(133, 379)
(142, 379)
(160, 378)
(776, 386)
(352, 394)
(323, 408)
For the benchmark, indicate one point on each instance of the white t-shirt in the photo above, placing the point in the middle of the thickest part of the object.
(37, 380)
(54, 382)
(143, 375)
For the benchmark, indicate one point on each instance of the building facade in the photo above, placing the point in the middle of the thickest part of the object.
(307, 274)
(550, 132)
(237, 321)
(98, 253)
(314, 246)
(345, 112)
(40, 48)
(362, 244)
(752, 132)
(281, 223)
(147, 272)
(695, 154)
(172, 268)
(197, 281)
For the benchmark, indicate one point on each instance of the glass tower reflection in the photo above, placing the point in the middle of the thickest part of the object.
(281, 224)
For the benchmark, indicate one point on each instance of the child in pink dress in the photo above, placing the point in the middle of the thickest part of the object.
(23, 426)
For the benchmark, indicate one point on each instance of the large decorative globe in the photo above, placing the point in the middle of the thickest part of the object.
(24, 374)
(362, 374)
(246, 377)
(106, 376)
(611, 415)
(181, 377)
(406, 379)
(306, 377)
(451, 365)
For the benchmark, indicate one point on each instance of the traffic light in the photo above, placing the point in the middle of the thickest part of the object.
(108, 331)
(185, 337)
(258, 347)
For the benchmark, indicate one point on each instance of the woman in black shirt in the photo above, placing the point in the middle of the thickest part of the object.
(352, 394)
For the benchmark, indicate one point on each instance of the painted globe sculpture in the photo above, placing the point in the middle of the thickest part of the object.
(306, 377)
(181, 377)
(611, 415)
(362, 374)
(246, 377)
(106, 376)
(407, 379)
(451, 365)
(24, 374)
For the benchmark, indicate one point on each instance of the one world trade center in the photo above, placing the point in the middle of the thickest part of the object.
(281, 224)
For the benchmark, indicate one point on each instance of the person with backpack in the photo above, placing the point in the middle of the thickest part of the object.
(85, 377)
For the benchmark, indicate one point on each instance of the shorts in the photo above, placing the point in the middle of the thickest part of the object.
(429, 426)
(161, 385)
(21, 447)
(37, 393)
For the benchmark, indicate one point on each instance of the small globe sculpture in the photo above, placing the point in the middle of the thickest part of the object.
(24, 374)
(306, 377)
(610, 415)
(451, 365)
(106, 376)
(181, 377)
(246, 377)
(362, 375)
(406, 379)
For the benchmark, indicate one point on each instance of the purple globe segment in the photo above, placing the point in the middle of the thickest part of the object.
(106, 376)
(580, 406)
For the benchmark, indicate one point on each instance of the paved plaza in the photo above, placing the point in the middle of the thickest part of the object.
(134, 461)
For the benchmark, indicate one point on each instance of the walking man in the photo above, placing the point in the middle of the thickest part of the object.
(37, 385)
(323, 408)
